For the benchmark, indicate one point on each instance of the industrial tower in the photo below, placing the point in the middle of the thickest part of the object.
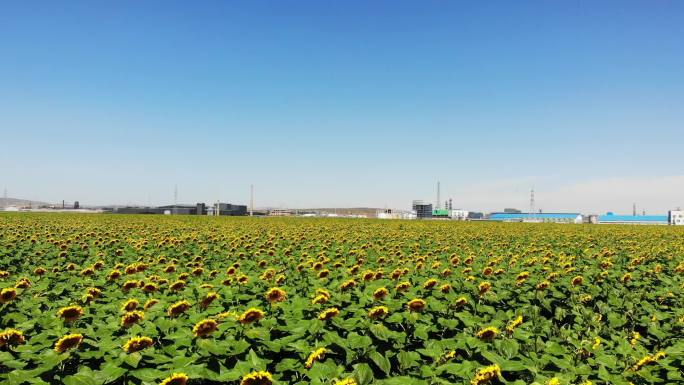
(532, 213)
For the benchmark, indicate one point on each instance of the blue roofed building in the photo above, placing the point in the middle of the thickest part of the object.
(537, 217)
(611, 218)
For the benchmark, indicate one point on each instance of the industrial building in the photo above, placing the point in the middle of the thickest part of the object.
(537, 217)
(198, 209)
(611, 218)
(453, 214)
(395, 214)
(422, 209)
(229, 209)
(676, 217)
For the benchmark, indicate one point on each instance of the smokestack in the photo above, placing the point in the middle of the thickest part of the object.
(251, 200)
(438, 197)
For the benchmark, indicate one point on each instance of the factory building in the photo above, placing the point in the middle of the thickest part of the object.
(453, 214)
(137, 210)
(611, 218)
(228, 209)
(422, 209)
(537, 217)
(178, 210)
(676, 217)
(197, 209)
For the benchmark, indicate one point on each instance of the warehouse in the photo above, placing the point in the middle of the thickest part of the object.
(537, 217)
(611, 218)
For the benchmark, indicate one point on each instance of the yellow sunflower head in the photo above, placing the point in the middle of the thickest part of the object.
(250, 316)
(205, 327)
(69, 341)
(257, 378)
(70, 313)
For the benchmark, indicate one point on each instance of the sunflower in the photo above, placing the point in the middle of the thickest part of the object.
(150, 303)
(175, 379)
(113, 275)
(209, 298)
(136, 344)
(484, 287)
(380, 293)
(346, 381)
(130, 305)
(226, 314)
(178, 308)
(11, 337)
(445, 288)
(514, 324)
(70, 313)
(417, 304)
(486, 375)
(328, 314)
(8, 294)
(275, 295)
(178, 285)
(323, 292)
(257, 378)
(67, 342)
(150, 288)
(543, 285)
(129, 285)
(488, 333)
(205, 327)
(348, 284)
(522, 277)
(242, 279)
(378, 312)
(320, 299)
(402, 286)
(250, 316)
(94, 292)
(316, 355)
(553, 381)
(132, 317)
(578, 280)
(461, 301)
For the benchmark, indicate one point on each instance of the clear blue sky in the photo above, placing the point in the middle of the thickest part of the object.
(344, 103)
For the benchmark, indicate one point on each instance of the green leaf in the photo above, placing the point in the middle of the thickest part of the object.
(381, 361)
(407, 359)
(148, 374)
(363, 374)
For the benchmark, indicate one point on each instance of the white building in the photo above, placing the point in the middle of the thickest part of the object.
(459, 215)
(676, 217)
(395, 214)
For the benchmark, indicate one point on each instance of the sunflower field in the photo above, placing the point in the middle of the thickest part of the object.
(173, 300)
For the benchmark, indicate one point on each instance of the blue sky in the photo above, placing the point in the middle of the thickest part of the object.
(345, 104)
